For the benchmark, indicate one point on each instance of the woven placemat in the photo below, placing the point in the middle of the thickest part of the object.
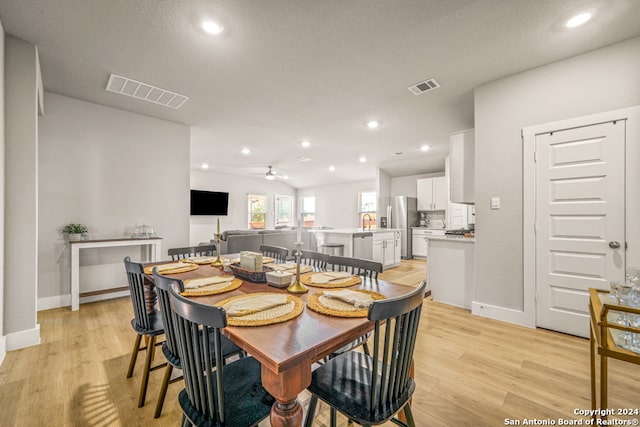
(291, 268)
(313, 302)
(189, 267)
(213, 289)
(307, 279)
(292, 309)
(202, 260)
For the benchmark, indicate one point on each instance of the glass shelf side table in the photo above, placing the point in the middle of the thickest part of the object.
(606, 339)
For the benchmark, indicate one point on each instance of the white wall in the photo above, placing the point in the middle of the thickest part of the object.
(337, 205)
(204, 227)
(21, 193)
(601, 80)
(109, 169)
(407, 185)
(2, 334)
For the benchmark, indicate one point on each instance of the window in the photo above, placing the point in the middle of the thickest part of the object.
(309, 211)
(284, 211)
(367, 204)
(257, 208)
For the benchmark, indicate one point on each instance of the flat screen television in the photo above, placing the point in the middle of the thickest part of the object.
(209, 202)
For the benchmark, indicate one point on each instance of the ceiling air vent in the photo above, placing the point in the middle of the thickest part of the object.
(425, 86)
(145, 92)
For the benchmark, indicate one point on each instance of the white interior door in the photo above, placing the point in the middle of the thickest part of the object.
(580, 233)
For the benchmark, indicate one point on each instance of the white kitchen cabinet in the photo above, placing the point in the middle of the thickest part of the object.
(451, 272)
(461, 168)
(419, 246)
(432, 194)
(458, 216)
(419, 240)
(397, 244)
(384, 249)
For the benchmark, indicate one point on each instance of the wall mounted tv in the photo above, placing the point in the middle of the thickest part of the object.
(209, 202)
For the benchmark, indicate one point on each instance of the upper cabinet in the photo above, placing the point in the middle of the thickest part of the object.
(432, 194)
(461, 170)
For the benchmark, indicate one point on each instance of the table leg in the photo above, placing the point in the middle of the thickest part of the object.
(157, 251)
(75, 277)
(603, 382)
(592, 362)
(285, 387)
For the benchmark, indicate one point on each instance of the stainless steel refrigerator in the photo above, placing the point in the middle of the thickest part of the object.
(401, 213)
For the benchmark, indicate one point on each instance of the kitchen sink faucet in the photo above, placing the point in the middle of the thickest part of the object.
(368, 222)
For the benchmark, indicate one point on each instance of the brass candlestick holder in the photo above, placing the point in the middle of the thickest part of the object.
(298, 287)
(218, 261)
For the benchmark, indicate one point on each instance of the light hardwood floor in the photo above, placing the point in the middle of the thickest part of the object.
(470, 371)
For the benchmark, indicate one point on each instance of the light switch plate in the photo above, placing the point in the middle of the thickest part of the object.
(495, 203)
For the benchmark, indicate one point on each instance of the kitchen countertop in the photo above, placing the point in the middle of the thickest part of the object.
(452, 238)
(356, 230)
(429, 228)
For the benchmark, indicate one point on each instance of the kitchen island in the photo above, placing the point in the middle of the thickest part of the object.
(451, 269)
(377, 244)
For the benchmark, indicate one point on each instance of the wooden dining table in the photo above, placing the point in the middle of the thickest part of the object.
(287, 350)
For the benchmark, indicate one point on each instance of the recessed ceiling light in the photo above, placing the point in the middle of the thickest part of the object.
(246, 151)
(332, 168)
(212, 27)
(305, 143)
(424, 148)
(578, 20)
(285, 177)
(205, 166)
(363, 159)
(373, 124)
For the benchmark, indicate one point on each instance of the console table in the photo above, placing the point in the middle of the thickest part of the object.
(154, 243)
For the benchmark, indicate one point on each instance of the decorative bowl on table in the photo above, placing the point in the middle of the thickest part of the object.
(279, 279)
(251, 276)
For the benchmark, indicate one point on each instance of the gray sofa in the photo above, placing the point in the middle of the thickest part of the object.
(234, 241)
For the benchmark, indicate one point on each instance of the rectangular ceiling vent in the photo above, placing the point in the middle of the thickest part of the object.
(425, 86)
(145, 92)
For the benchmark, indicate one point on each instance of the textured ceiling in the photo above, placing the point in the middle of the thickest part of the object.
(285, 70)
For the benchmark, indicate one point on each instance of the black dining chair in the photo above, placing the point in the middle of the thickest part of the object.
(146, 322)
(370, 390)
(360, 267)
(314, 259)
(230, 395)
(192, 251)
(357, 266)
(276, 252)
(170, 346)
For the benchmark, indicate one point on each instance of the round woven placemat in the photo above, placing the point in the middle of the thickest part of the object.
(213, 289)
(190, 267)
(313, 302)
(307, 279)
(282, 313)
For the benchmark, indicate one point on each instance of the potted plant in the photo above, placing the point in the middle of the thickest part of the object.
(74, 231)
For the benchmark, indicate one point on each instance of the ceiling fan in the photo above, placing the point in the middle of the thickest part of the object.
(271, 174)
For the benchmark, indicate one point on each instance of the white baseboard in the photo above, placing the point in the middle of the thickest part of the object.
(3, 348)
(54, 302)
(102, 297)
(59, 301)
(23, 339)
(503, 314)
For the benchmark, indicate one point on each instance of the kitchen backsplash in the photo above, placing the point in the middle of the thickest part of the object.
(437, 219)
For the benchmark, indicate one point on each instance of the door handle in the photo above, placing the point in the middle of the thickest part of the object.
(614, 245)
